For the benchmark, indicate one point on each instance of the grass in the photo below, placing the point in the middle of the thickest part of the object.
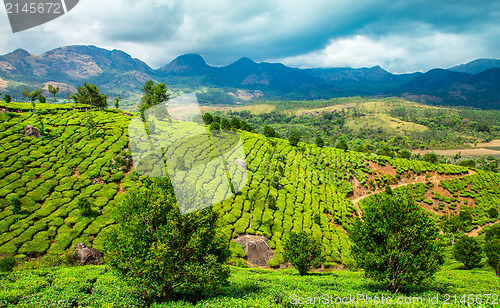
(98, 286)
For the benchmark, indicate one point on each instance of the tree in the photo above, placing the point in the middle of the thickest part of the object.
(246, 127)
(207, 118)
(153, 95)
(235, 123)
(467, 251)
(342, 144)
(117, 102)
(269, 131)
(25, 92)
(303, 251)
(396, 242)
(53, 90)
(319, 142)
(90, 94)
(7, 98)
(294, 139)
(215, 126)
(224, 124)
(34, 95)
(492, 248)
(42, 99)
(158, 249)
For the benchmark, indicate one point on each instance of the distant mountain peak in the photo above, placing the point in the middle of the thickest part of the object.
(186, 64)
(19, 53)
(476, 66)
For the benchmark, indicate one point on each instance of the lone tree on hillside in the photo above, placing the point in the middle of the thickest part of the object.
(153, 95)
(7, 98)
(117, 102)
(467, 251)
(396, 242)
(53, 90)
(303, 251)
(158, 249)
(319, 142)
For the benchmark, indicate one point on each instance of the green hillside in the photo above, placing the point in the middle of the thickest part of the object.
(289, 189)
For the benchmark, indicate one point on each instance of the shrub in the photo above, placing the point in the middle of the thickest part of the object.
(493, 212)
(467, 251)
(85, 206)
(303, 251)
(294, 139)
(173, 249)
(273, 263)
(319, 142)
(16, 205)
(7, 264)
(396, 242)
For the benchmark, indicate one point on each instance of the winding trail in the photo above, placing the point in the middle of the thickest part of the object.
(435, 179)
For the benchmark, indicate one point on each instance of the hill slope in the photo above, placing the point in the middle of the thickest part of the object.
(290, 188)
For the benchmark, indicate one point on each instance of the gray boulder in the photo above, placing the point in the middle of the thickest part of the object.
(257, 249)
(30, 131)
(86, 255)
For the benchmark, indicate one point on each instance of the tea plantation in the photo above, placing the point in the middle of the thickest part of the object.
(289, 188)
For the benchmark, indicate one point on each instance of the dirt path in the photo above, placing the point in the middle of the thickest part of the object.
(475, 232)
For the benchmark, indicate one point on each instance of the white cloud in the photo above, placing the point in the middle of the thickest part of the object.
(398, 54)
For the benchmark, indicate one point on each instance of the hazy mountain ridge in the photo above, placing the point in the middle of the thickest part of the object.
(117, 73)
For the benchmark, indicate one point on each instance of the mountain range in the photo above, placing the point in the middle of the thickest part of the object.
(116, 73)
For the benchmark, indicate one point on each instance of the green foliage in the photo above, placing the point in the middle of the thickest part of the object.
(319, 142)
(7, 98)
(342, 144)
(493, 212)
(159, 249)
(90, 94)
(7, 264)
(492, 251)
(467, 251)
(225, 125)
(396, 242)
(215, 126)
(53, 90)
(303, 251)
(85, 206)
(208, 118)
(153, 95)
(269, 131)
(42, 99)
(16, 205)
(294, 139)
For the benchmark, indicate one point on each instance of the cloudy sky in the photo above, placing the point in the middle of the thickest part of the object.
(401, 36)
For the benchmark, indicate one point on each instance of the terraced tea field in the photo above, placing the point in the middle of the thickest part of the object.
(289, 188)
